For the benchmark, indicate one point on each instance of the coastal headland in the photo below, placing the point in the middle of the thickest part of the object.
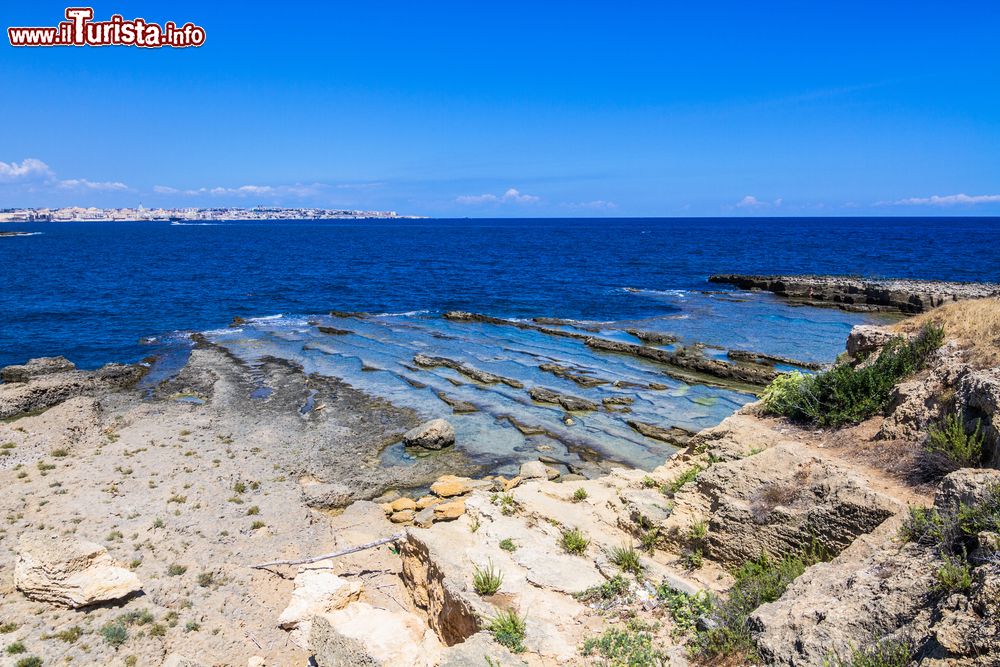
(191, 520)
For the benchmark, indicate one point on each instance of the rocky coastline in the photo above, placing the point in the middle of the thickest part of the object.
(180, 524)
(860, 294)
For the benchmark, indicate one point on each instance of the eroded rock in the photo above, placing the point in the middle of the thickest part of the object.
(435, 434)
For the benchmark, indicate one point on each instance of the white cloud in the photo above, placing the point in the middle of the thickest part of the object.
(84, 184)
(511, 196)
(297, 190)
(30, 169)
(945, 200)
(752, 203)
(165, 190)
(596, 205)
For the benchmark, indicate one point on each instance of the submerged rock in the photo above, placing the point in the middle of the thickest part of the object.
(435, 434)
(571, 403)
(70, 573)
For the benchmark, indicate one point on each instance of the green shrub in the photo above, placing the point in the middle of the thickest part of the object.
(579, 495)
(627, 646)
(70, 635)
(846, 394)
(31, 661)
(627, 558)
(615, 587)
(508, 630)
(15, 648)
(954, 444)
(115, 633)
(507, 544)
(176, 570)
(685, 609)
(574, 542)
(954, 575)
(882, 654)
(487, 580)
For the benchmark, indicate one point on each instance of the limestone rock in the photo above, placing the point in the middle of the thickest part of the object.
(867, 338)
(322, 495)
(317, 591)
(427, 501)
(401, 504)
(35, 368)
(449, 510)
(449, 485)
(977, 396)
(70, 573)
(572, 403)
(471, 652)
(533, 470)
(362, 634)
(435, 434)
(403, 516)
(424, 518)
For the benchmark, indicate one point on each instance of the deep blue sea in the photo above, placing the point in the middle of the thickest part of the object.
(100, 292)
(91, 291)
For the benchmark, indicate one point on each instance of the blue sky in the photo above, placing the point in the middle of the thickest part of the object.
(517, 109)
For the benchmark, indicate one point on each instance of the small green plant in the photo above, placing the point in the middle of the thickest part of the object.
(16, 648)
(157, 630)
(953, 443)
(626, 558)
(115, 633)
(685, 477)
(131, 660)
(508, 630)
(648, 482)
(176, 498)
(45, 467)
(648, 540)
(253, 511)
(614, 588)
(507, 544)
(486, 580)
(694, 558)
(574, 541)
(257, 525)
(158, 523)
(70, 635)
(579, 495)
(176, 570)
(954, 575)
(8, 628)
(191, 626)
(239, 487)
(629, 645)
(206, 579)
(59, 453)
(697, 531)
(31, 661)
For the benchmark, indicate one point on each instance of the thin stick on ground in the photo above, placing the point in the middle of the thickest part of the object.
(335, 554)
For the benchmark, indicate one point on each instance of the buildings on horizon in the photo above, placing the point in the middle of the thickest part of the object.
(92, 214)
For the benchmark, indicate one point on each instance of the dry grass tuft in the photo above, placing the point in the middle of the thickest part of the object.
(974, 323)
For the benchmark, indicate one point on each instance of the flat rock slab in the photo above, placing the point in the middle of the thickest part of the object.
(70, 573)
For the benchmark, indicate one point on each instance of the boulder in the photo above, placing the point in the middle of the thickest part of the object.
(867, 338)
(449, 510)
(403, 516)
(435, 434)
(361, 634)
(572, 403)
(977, 396)
(533, 470)
(449, 485)
(70, 573)
(400, 504)
(317, 591)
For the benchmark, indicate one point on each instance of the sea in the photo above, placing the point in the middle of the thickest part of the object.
(101, 292)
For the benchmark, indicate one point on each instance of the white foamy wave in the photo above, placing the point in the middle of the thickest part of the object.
(408, 313)
(678, 293)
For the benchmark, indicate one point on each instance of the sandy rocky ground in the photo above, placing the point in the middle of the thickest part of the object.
(189, 487)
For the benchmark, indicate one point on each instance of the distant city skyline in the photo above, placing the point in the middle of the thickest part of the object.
(516, 110)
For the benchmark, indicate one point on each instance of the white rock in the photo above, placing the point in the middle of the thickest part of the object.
(534, 470)
(317, 591)
(363, 634)
(70, 573)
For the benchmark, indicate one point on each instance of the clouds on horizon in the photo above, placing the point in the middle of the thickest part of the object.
(34, 174)
(511, 196)
(960, 199)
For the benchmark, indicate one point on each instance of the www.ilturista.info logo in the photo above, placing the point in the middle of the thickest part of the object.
(79, 29)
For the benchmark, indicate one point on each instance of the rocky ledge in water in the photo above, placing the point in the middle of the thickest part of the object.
(861, 294)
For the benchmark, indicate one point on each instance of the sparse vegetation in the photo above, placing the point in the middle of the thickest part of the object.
(848, 394)
(507, 544)
(685, 477)
(31, 661)
(508, 630)
(626, 558)
(59, 453)
(206, 579)
(257, 525)
(954, 575)
(8, 628)
(176, 570)
(579, 495)
(574, 541)
(881, 654)
(486, 580)
(685, 609)
(16, 648)
(253, 511)
(628, 646)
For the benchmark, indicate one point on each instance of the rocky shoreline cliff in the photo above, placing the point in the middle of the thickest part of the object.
(133, 527)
